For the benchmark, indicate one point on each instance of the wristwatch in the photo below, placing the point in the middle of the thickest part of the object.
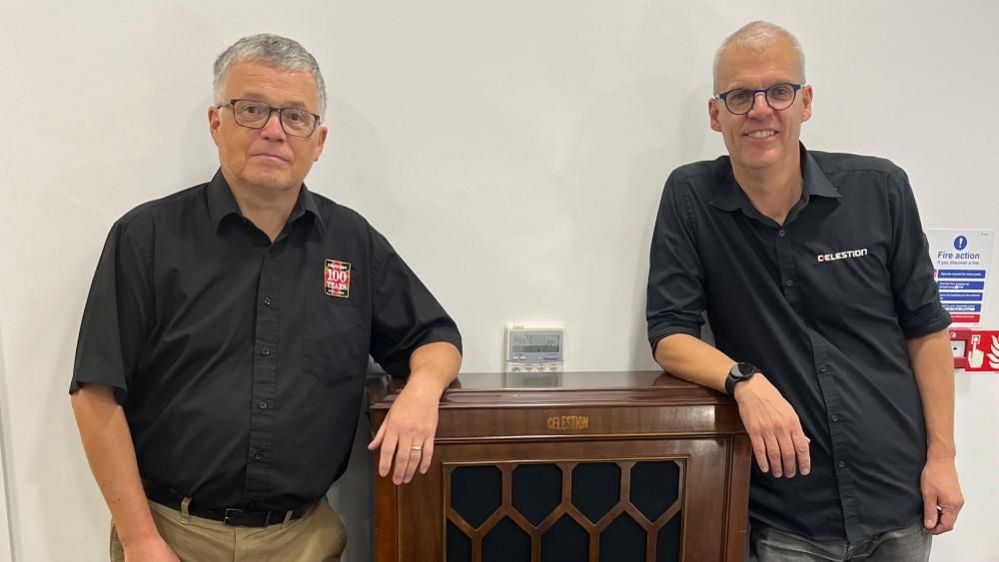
(738, 373)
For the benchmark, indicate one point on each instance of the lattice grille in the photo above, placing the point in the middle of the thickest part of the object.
(607, 511)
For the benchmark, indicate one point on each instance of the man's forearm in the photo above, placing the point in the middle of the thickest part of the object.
(933, 366)
(780, 446)
(108, 445)
(409, 428)
(691, 359)
(434, 366)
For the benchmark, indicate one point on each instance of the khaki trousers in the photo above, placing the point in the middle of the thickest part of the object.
(317, 536)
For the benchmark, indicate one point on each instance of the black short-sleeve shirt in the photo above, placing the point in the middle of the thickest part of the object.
(823, 304)
(239, 362)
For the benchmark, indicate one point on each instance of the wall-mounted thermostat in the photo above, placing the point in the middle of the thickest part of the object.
(534, 348)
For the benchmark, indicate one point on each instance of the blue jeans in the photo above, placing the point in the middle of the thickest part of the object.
(910, 544)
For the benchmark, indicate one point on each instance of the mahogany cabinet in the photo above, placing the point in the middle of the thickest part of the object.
(571, 467)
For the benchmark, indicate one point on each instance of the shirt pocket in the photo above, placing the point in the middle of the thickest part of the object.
(336, 338)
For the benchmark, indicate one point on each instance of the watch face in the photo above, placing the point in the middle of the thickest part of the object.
(745, 370)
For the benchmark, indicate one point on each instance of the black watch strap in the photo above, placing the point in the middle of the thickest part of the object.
(738, 373)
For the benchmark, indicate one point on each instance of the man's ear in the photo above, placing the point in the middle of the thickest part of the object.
(806, 102)
(713, 109)
(214, 122)
(322, 132)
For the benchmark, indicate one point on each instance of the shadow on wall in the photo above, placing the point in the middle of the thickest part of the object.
(6, 500)
(352, 495)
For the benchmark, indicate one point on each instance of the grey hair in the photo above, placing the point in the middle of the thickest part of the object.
(274, 51)
(757, 35)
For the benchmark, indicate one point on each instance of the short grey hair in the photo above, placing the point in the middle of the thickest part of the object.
(274, 51)
(757, 35)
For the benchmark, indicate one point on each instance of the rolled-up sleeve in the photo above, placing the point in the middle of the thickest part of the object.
(675, 299)
(117, 315)
(917, 299)
(405, 315)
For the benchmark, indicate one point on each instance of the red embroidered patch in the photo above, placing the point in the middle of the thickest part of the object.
(336, 279)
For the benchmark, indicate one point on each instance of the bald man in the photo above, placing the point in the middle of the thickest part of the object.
(814, 273)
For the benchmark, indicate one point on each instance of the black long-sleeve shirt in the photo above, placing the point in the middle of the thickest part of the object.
(822, 304)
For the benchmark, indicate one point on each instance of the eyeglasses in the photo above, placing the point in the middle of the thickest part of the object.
(779, 97)
(255, 115)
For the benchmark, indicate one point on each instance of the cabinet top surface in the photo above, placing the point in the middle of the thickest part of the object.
(555, 389)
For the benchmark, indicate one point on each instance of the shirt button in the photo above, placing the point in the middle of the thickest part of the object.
(265, 352)
(267, 301)
(823, 369)
(259, 456)
(789, 283)
(781, 232)
(841, 464)
(262, 404)
(835, 418)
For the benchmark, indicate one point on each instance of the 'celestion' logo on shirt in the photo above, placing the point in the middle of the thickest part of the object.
(336, 279)
(843, 255)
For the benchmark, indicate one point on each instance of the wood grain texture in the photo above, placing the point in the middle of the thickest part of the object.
(595, 418)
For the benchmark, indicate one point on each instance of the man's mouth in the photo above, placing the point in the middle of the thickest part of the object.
(270, 156)
(765, 133)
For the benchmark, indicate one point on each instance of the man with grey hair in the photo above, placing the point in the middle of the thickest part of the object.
(814, 273)
(224, 345)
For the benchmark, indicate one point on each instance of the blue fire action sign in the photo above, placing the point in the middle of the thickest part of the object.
(961, 261)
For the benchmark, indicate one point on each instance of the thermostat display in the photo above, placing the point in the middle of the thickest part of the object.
(534, 349)
(536, 346)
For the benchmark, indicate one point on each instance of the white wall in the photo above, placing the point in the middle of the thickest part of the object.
(513, 151)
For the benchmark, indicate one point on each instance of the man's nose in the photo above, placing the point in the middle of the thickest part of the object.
(273, 129)
(760, 107)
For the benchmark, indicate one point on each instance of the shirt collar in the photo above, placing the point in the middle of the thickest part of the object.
(221, 204)
(815, 181)
(307, 204)
(729, 196)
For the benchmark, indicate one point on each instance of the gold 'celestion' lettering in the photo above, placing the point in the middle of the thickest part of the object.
(569, 423)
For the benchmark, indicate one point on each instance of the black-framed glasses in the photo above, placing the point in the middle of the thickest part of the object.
(740, 100)
(251, 114)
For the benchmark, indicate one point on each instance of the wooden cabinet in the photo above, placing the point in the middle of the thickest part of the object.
(571, 467)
